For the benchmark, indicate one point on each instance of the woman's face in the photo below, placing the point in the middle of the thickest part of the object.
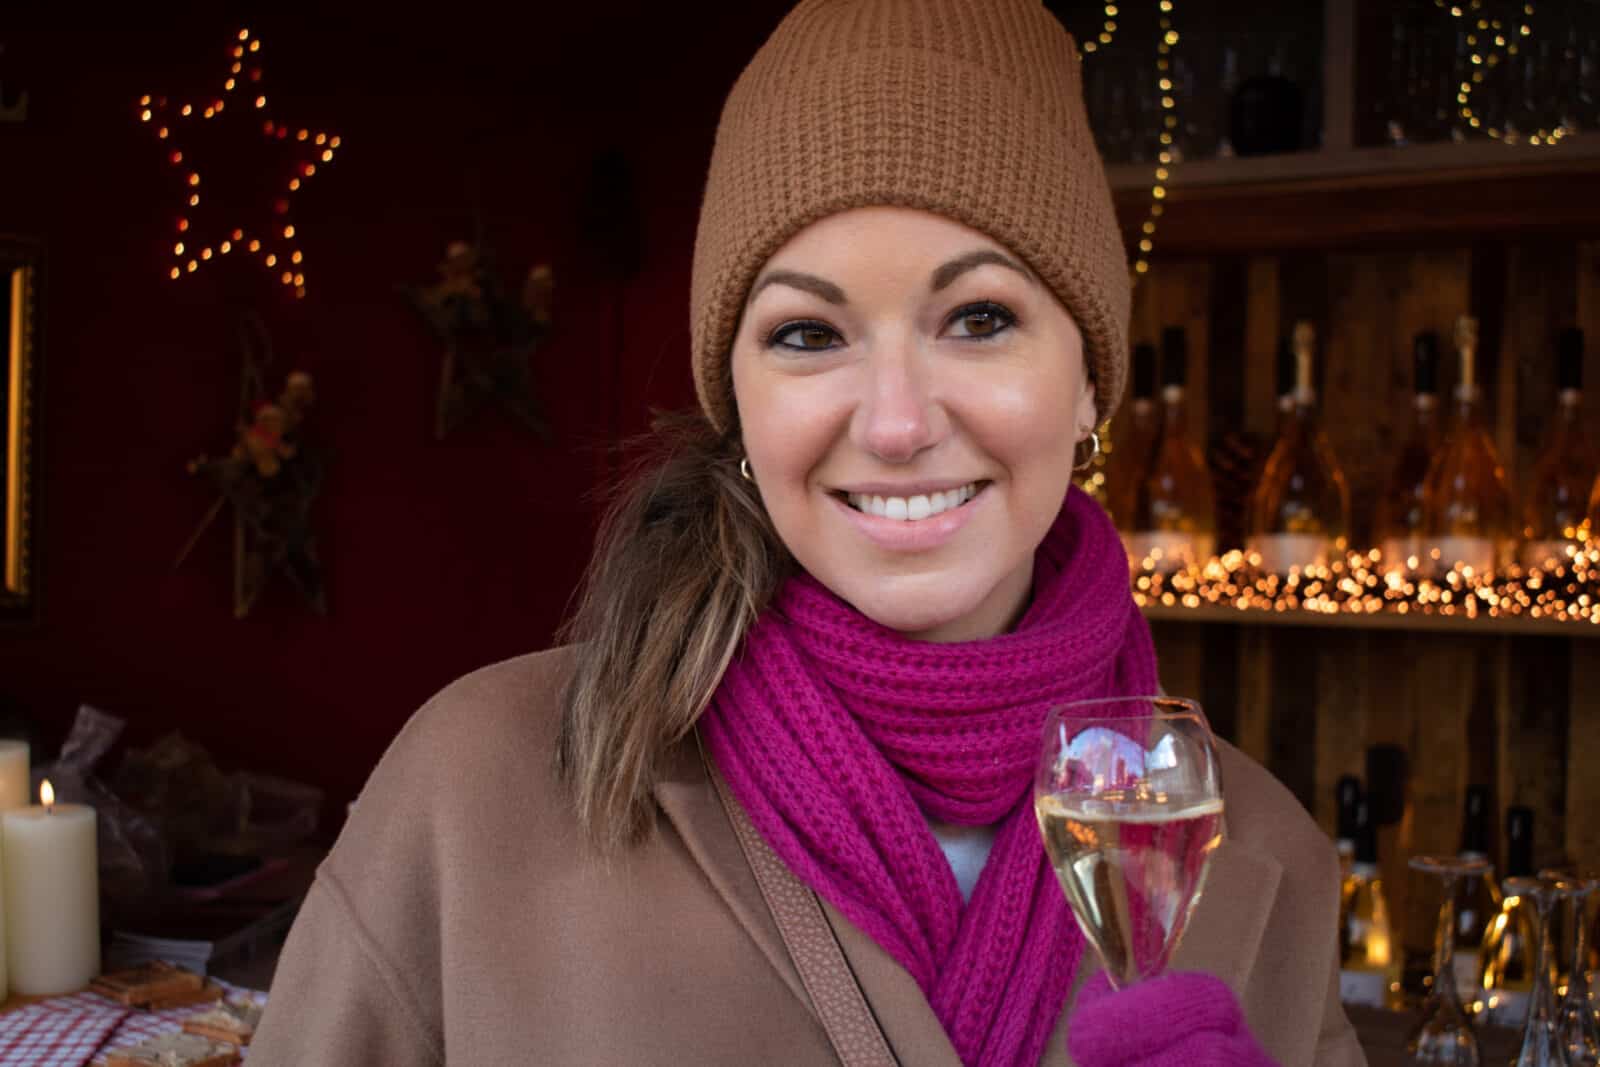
(911, 397)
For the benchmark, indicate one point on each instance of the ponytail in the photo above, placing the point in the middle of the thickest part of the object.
(684, 561)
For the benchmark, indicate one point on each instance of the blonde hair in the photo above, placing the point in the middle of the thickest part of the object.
(684, 561)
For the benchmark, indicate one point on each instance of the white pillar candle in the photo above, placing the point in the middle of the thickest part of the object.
(14, 788)
(52, 897)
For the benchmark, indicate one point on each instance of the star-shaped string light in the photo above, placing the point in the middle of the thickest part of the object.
(273, 244)
(1488, 40)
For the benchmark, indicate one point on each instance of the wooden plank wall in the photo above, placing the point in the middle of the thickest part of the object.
(1520, 714)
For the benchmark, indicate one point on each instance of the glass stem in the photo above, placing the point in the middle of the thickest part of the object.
(1542, 1008)
(1578, 977)
(1444, 950)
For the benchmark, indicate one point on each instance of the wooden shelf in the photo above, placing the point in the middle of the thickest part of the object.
(1362, 168)
(1381, 621)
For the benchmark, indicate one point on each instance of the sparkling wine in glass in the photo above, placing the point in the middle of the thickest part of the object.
(1129, 801)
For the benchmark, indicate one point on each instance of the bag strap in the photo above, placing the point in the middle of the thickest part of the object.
(835, 995)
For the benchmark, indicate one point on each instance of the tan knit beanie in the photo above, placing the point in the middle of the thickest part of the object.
(972, 109)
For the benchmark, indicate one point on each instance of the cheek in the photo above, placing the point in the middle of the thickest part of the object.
(1029, 421)
(786, 423)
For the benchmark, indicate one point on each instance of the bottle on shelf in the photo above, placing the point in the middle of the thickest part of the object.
(1285, 385)
(1300, 513)
(1174, 515)
(1347, 794)
(1369, 966)
(1468, 512)
(1594, 511)
(1557, 496)
(1347, 829)
(1129, 461)
(1400, 509)
(1506, 961)
(1479, 903)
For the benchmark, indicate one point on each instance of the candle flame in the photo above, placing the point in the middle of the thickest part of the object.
(47, 794)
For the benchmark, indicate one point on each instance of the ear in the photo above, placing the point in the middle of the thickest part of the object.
(1086, 415)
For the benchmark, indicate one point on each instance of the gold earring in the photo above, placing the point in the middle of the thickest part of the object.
(1094, 455)
(744, 470)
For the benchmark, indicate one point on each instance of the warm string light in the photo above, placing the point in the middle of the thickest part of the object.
(1166, 157)
(1092, 479)
(1563, 590)
(1489, 39)
(270, 245)
(1108, 31)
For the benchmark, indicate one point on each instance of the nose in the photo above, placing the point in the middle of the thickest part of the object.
(899, 416)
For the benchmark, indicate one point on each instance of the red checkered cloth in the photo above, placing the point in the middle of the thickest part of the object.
(77, 1029)
(48, 1034)
(143, 1025)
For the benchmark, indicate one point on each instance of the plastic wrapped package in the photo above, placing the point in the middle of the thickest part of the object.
(133, 856)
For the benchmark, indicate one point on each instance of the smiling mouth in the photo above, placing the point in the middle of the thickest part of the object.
(912, 508)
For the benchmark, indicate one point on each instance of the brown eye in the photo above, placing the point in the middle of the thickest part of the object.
(805, 336)
(981, 321)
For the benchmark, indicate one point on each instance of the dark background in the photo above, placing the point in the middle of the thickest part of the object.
(440, 557)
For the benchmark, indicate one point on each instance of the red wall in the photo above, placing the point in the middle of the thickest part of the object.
(440, 557)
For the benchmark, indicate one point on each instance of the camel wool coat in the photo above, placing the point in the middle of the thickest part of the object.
(462, 919)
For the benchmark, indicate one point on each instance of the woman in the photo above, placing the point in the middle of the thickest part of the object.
(771, 805)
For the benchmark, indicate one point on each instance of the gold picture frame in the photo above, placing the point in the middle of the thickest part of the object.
(21, 270)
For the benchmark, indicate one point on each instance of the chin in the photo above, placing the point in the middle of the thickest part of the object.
(921, 608)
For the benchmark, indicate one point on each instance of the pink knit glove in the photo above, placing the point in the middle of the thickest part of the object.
(1176, 1020)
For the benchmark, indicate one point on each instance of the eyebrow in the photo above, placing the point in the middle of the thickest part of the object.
(942, 276)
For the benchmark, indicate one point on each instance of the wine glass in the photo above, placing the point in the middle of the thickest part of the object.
(1575, 1017)
(1541, 1037)
(1129, 800)
(1444, 1034)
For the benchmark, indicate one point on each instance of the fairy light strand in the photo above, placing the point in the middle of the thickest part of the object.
(1108, 31)
(1490, 40)
(1565, 589)
(1166, 156)
(276, 242)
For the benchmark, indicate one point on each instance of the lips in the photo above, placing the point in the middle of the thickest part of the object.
(910, 533)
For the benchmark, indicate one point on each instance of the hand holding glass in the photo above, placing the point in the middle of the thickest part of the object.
(1129, 800)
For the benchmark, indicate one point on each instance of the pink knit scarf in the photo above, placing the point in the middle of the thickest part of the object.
(842, 739)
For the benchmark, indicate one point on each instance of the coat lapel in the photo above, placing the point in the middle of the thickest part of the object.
(689, 800)
(686, 795)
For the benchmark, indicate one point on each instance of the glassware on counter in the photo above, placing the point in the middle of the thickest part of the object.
(1576, 1016)
(1541, 1037)
(1444, 1035)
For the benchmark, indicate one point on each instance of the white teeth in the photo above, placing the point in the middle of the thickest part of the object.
(910, 509)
